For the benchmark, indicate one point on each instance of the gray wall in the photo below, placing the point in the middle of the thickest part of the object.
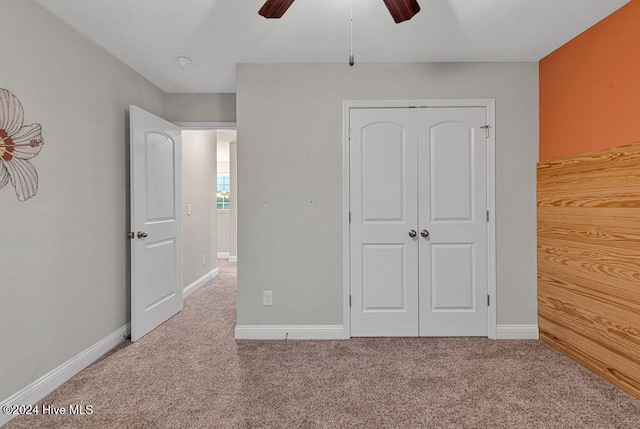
(64, 271)
(290, 178)
(200, 107)
(199, 167)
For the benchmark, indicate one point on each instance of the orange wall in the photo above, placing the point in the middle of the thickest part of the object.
(590, 88)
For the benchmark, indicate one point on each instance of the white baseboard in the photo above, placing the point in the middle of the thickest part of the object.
(517, 332)
(337, 332)
(46, 384)
(199, 283)
(294, 332)
(227, 255)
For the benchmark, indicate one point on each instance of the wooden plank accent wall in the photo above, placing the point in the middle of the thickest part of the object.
(589, 261)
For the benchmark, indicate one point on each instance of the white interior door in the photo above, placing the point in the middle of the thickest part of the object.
(452, 178)
(419, 171)
(156, 222)
(384, 191)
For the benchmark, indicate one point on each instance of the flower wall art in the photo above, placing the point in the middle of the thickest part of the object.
(18, 144)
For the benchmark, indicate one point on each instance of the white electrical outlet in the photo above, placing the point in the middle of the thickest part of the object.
(267, 297)
(188, 209)
(204, 259)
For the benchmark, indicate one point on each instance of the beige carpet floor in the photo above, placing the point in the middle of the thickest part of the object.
(190, 373)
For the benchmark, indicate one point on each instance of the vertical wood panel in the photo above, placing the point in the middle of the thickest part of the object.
(589, 261)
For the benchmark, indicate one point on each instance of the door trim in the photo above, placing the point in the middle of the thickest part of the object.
(489, 104)
(207, 125)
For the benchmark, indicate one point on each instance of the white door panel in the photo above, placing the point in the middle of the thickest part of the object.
(156, 247)
(159, 167)
(383, 210)
(383, 287)
(452, 283)
(451, 167)
(383, 155)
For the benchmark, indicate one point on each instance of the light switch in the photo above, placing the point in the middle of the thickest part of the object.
(188, 209)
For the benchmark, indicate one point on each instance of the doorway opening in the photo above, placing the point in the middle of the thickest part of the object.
(226, 195)
(209, 200)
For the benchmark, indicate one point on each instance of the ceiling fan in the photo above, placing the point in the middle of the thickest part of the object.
(401, 10)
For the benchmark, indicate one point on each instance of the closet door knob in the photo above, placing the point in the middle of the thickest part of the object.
(142, 234)
(412, 233)
(424, 233)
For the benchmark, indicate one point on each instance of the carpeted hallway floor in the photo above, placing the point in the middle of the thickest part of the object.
(190, 373)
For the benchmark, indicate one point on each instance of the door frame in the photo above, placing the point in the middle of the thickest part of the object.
(197, 126)
(489, 104)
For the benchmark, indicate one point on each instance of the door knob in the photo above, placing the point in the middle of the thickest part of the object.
(412, 233)
(424, 233)
(142, 234)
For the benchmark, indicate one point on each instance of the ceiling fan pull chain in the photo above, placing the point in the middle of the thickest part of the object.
(351, 59)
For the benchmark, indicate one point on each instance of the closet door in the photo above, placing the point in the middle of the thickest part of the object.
(384, 212)
(452, 181)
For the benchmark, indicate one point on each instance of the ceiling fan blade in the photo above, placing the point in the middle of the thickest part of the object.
(402, 10)
(275, 8)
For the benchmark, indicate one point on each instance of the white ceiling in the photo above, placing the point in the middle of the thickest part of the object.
(217, 34)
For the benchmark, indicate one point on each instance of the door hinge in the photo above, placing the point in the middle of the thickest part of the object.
(349, 133)
(486, 128)
(349, 300)
(488, 300)
(349, 217)
(487, 215)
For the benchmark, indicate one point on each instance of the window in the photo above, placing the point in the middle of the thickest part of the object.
(224, 188)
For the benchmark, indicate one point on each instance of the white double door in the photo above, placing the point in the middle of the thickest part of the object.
(418, 231)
